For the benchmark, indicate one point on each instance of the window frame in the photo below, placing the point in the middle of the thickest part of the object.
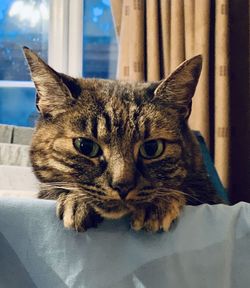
(65, 51)
(16, 84)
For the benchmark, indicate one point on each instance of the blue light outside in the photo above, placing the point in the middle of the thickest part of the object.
(17, 105)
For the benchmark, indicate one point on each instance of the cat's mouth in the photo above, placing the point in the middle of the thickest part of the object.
(113, 209)
(116, 208)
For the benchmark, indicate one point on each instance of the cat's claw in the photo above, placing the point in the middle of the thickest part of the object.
(75, 213)
(153, 218)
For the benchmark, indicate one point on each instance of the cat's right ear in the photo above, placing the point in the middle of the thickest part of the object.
(53, 96)
(178, 89)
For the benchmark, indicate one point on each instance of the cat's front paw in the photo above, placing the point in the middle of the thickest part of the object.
(156, 217)
(75, 214)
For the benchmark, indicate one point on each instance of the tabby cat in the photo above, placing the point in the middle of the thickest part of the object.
(107, 148)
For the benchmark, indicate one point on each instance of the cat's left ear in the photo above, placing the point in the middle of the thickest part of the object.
(54, 93)
(178, 89)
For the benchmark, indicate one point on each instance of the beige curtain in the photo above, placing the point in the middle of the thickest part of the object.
(155, 36)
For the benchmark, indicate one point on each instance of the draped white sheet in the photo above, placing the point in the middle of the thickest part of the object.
(209, 246)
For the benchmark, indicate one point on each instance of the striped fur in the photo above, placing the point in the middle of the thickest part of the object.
(119, 116)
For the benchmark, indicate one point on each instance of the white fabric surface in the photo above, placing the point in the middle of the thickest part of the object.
(14, 154)
(17, 181)
(15, 134)
(209, 246)
(14, 145)
(6, 133)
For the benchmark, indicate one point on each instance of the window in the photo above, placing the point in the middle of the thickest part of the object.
(99, 41)
(23, 23)
(57, 30)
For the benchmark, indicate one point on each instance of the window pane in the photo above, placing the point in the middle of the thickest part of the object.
(17, 107)
(22, 23)
(99, 40)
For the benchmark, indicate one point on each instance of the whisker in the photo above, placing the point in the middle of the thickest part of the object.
(172, 192)
(163, 192)
(82, 188)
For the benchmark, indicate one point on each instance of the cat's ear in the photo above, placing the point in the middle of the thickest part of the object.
(178, 89)
(53, 95)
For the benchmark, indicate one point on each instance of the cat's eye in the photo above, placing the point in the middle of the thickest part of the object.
(87, 147)
(152, 149)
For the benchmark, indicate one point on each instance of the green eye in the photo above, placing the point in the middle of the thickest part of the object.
(152, 149)
(87, 147)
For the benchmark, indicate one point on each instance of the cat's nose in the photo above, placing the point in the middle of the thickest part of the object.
(123, 188)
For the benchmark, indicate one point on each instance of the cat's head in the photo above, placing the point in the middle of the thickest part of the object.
(119, 143)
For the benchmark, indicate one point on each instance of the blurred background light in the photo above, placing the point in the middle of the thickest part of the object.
(29, 12)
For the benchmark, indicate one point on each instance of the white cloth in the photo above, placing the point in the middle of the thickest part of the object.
(14, 154)
(209, 246)
(17, 181)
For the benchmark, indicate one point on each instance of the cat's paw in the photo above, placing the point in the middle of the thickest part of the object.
(75, 213)
(155, 218)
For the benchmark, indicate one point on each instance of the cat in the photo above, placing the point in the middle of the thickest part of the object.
(108, 148)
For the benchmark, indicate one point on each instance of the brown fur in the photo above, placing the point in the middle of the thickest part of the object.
(119, 117)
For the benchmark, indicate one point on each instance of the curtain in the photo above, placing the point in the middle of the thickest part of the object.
(155, 36)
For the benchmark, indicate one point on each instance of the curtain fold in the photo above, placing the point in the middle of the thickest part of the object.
(122, 30)
(199, 119)
(177, 40)
(189, 27)
(157, 35)
(165, 36)
(136, 40)
(153, 40)
(222, 90)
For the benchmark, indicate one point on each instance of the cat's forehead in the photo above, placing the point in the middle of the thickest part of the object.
(107, 90)
(118, 110)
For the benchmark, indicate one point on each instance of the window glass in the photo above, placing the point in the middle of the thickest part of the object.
(25, 23)
(22, 23)
(17, 107)
(99, 40)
